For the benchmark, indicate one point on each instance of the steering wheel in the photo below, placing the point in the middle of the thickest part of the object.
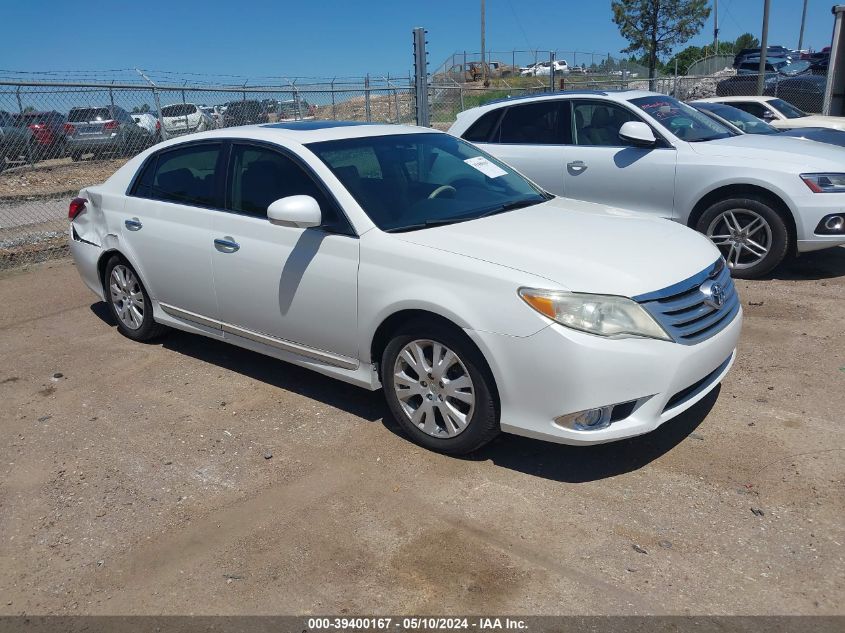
(442, 189)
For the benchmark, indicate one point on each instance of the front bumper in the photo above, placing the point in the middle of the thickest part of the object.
(559, 371)
(812, 207)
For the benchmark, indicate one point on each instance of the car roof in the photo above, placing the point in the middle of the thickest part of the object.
(737, 98)
(613, 95)
(304, 132)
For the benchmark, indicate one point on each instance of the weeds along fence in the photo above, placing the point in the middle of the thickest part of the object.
(58, 137)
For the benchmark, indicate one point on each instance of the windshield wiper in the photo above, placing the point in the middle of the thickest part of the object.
(509, 206)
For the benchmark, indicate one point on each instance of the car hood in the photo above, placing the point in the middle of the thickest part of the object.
(820, 134)
(771, 148)
(813, 120)
(580, 246)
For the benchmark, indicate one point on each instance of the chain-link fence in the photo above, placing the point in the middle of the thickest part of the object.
(466, 65)
(58, 137)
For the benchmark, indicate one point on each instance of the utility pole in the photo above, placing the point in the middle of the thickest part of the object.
(483, 44)
(803, 21)
(715, 27)
(764, 47)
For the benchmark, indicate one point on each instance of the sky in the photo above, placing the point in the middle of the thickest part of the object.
(326, 38)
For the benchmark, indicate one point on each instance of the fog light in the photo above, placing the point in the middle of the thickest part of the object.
(589, 420)
(831, 225)
(834, 223)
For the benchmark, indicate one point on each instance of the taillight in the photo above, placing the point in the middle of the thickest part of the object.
(69, 128)
(158, 125)
(111, 125)
(77, 206)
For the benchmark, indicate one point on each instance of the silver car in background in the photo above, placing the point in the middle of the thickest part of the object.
(103, 130)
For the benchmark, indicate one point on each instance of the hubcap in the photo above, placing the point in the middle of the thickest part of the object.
(126, 297)
(434, 388)
(744, 237)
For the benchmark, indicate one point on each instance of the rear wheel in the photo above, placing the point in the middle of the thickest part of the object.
(76, 156)
(129, 302)
(752, 236)
(440, 389)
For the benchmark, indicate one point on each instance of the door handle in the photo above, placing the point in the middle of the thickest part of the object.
(133, 225)
(576, 165)
(226, 245)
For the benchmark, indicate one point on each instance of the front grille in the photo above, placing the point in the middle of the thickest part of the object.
(688, 311)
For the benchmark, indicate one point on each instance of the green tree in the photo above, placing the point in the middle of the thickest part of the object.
(141, 109)
(654, 27)
(29, 108)
(746, 40)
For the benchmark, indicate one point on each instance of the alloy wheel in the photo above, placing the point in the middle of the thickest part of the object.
(126, 296)
(744, 237)
(433, 388)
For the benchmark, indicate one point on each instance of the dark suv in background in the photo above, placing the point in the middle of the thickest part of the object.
(48, 133)
(246, 112)
(103, 130)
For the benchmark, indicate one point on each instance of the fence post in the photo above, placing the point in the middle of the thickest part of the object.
(334, 105)
(157, 101)
(421, 77)
(367, 97)
(675, 88)
(551, 71)
(28, 145)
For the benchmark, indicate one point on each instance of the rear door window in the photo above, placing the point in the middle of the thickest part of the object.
(539, 123)
(179, 109)
(186, 175)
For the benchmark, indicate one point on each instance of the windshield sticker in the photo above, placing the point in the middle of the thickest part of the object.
(486, 167)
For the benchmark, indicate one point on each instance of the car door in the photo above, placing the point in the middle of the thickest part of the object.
(602, 167)
(531, 137)
(281, 284)
(165, 226)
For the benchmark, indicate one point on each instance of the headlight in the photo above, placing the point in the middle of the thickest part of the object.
(604, 315)
(825, 183)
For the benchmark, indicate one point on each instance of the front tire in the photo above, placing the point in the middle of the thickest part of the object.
(129, 302)
(752, 235)
(439, 388)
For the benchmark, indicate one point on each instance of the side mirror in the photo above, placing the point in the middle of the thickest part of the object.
(297, 211)
(638, 133)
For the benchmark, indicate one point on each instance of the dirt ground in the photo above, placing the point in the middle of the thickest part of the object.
(188, 476)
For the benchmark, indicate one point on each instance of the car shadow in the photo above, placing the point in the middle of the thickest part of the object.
(365, 404)
(580, 464)
(556, 462)
(815, 265)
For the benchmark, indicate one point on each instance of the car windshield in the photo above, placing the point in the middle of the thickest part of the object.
(684, 121)
(786, 109)
(406, 182)
(794, 68)
(748, 123)
(179, 109)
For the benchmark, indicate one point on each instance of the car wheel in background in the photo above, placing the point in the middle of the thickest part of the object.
(76, 156)
(439, 388)
(129, 302)
(752, 236)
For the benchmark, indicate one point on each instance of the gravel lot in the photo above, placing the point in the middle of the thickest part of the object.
(192, 477)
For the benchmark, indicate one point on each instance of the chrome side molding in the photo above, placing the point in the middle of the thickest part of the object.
(288, 346)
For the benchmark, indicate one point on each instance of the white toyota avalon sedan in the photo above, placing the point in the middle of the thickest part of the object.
(759, 198)
(406, 259)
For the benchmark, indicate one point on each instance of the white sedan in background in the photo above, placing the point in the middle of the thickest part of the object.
(184, 118)
(779, 113)
(406, 259)
(149, 123)
(759, 198)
